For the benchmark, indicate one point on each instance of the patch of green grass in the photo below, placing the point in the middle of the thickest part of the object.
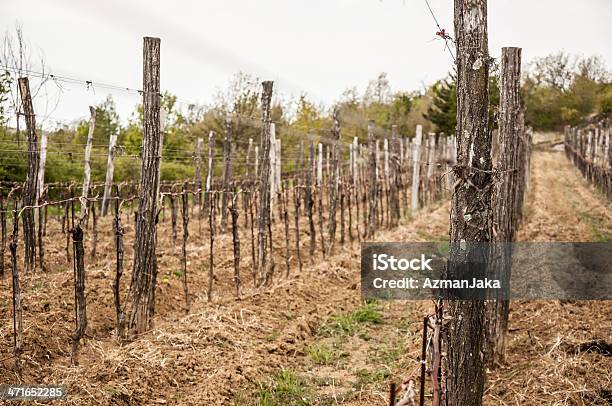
(285, 389)
(322, 354)
(367, 377)
(601, 236)
(392, 354)
(178, 274)
(349, 323)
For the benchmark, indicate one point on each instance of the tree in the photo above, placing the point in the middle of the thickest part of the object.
(443, 110)
(107, 123)
(5, 90)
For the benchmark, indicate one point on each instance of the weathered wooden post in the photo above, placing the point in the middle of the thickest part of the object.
(110, 170)
(333, 181)
(471, 204)
(141, 300)
(416, 168)
(505, 201)
(263, 217)
(3, 231)
(185, 213)
(209, 173)
(17, 308)
(29, 188)
(228, 165)
(372, 178)
(235, 242)
(309, 196)
(87, 166)
(79, 290)
(119, 231)
(198, 173)
(40, 188)
(395, 175)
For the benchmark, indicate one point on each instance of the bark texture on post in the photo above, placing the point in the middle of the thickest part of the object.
(141, 305)
(308, 194)
(333, 181)
(119, 231)
(505, 201)
(263, 217)
(227, 171)
(79, 291)
(198, 173)
(29, 188)
(17, 308)
(87, 166)
(372, 181)
(471, 203)
(416, 168)
(110, 170)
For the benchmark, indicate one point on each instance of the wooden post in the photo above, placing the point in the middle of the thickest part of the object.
(119, 231)
(504, 199)
(87, 166)
(333, 181)
(185, 213)
(80, 310)
(372, 179)
(309, 196)
(209, 174)
(3, 230)
(431, 162)
(17, 308)
(40, 188)
(263, 217)
(395, 175)
(272, 169)
(416, 168)
(235, 242)
(110, 169)
(471, 204)
(198, 173)
(29, 188)
(228, 165)
(141, 304)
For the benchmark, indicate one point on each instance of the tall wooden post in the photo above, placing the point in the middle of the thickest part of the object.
(110, 169)
(504, 198)
(309, 196)
(142, 300)
(416, 167)
(40, 187)
(198, 173)
(372, 179)
(29, 189)
(471, 203)
(209, 173)
(227, 171)
(333, 181)
(87, 166)
(263, 217)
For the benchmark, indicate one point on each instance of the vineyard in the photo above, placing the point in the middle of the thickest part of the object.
(238, 279)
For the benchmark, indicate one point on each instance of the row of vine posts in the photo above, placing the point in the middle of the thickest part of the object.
(360, 187)
(588, 149)
(338, 191)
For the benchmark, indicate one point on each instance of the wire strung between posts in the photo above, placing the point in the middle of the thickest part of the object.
(442, 32)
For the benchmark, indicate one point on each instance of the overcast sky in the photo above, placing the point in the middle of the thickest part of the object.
(319, 47)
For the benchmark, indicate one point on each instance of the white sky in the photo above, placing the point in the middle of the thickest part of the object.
(320, 47)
